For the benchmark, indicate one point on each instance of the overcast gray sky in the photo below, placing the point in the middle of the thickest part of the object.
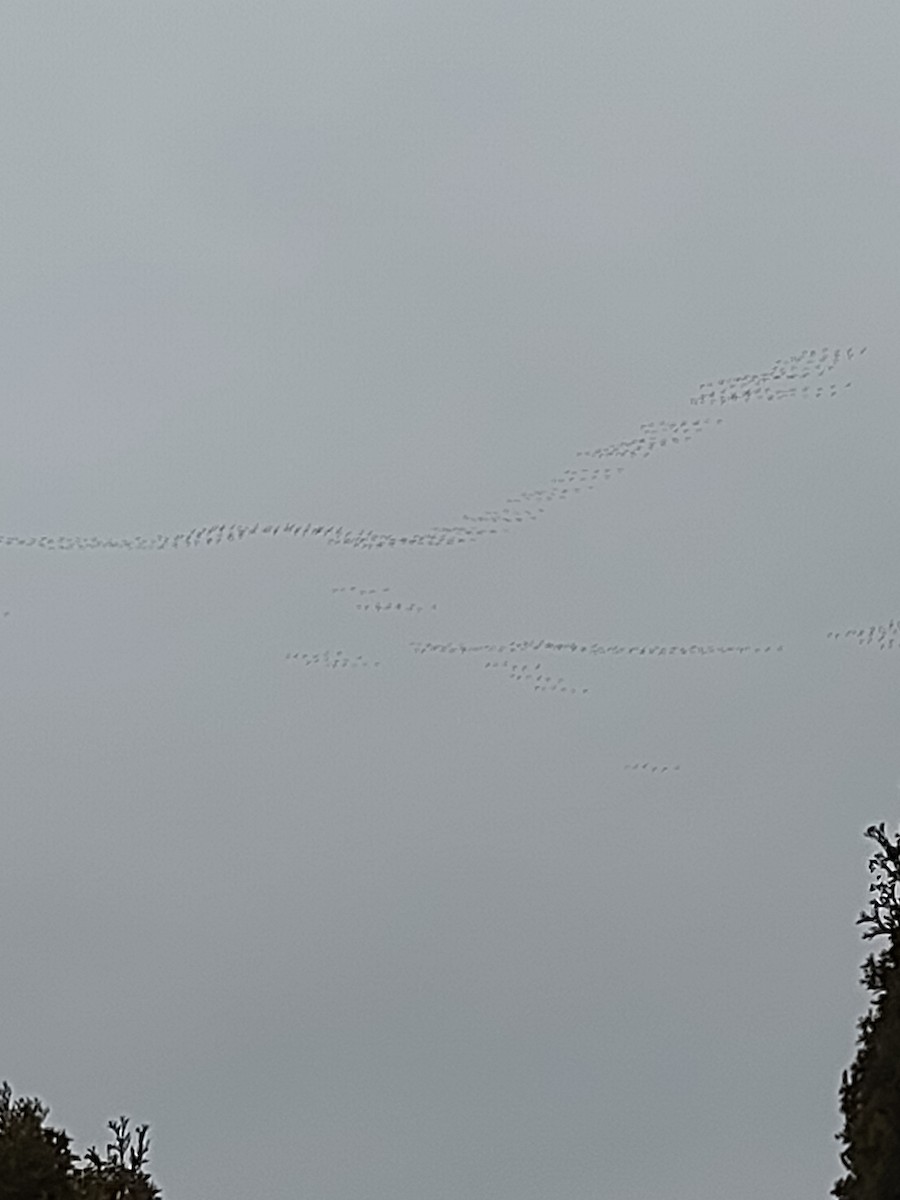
(434, 924)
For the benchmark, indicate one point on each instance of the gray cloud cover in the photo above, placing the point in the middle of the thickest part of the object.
(341, 909)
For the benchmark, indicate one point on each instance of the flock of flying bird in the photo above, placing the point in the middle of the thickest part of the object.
(884, 637)
(332, 658)
(788, 378)
(383, 604)
(593, 648)
(532, 673)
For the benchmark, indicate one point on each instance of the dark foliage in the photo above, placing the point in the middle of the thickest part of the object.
(35, 1161)
(37, 1164)
(120, 1175)
(870, 1091)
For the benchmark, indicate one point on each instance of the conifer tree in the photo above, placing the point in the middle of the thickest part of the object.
(35, 1161)
(120, 1175)
(37, 1164)
(870, 1092)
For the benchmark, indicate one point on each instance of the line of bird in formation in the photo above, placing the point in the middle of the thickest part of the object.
(533, 674)
(593, 648)
(885, 637)
(386, 606)
(654, 436)
(519, 672)
(334, 659)
(525, 506)
(747, 388)
(383, 604)
(784, 379)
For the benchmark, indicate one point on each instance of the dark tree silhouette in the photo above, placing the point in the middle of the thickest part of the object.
(36, 1162)
(870, 1092)
(120, 1175)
